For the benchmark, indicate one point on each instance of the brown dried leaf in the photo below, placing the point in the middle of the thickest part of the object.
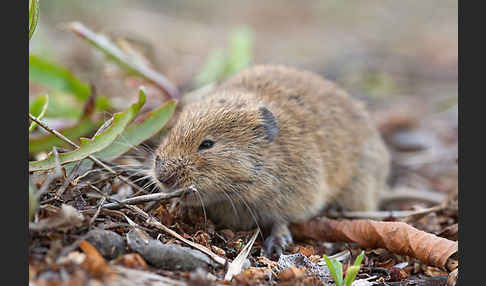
(397, 274)
(451, 232)
(94, 263)
(131, 260)
(252, 275)
(218, 250)
(291, 273)
(307, 250)
(397, 237)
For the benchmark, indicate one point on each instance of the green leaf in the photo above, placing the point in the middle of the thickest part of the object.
(38, 109)
(222, 64)
(358, 260)
(336, 269)
(138, 132)
(351, 275)
(33, 201)
(240, 52)
(46, 73)
(46, 142)
(97, 143)
(33, 16)
(213, 70)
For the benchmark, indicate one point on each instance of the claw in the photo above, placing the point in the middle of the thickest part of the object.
(277, 241)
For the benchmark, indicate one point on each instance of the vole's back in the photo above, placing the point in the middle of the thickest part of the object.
(321, 130)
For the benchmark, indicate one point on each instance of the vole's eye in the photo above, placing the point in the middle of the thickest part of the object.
(206, 144)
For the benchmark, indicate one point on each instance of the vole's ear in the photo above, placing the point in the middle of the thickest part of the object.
(269, 124)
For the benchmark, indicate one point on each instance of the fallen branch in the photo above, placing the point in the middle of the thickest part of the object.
(397, 237)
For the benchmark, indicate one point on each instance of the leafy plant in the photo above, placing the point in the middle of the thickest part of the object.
(336, 269)
(223, 64)
(100, 141)
(138, 132)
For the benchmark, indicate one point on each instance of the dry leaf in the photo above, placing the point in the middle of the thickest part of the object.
(397, 237)
(307, 250)
(94, 263)
(131, 260)
(291, 273)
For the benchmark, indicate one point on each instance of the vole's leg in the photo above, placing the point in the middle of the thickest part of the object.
(279, 238)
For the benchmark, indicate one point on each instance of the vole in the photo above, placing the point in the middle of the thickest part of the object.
(274, 145)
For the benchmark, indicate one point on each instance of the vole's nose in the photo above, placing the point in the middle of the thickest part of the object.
(164, 175)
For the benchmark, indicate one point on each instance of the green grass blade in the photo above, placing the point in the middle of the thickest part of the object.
(222, 64)
(48, 74)
(213, 70)
(97, 143)
(42, 102)
(138, 132)
(351, 275)
(336, 269)
(33, 16)
(358, 260)
(240, 52)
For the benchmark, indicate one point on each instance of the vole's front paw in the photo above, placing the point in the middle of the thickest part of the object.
(278, 240)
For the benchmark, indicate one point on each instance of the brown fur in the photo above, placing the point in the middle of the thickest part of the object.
(326, 150)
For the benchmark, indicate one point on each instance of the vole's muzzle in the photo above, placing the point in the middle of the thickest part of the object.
(164, 174)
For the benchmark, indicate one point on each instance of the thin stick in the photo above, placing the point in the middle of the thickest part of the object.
(416, 215)
(102, 201)
(377, 215)
(94, 159)
(146, 198)
(104, 44)
(153, 222)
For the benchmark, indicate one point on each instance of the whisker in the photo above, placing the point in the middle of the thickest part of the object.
(196, 191)
(251, 213)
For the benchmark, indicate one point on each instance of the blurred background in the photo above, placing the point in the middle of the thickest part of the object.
(399, 56)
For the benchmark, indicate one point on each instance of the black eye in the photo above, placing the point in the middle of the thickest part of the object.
(206, 144)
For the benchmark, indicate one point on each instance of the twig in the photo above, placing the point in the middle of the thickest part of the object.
(105, 45)
(153, 222)
(376, 215)
(416, 215)
(407, 194)
(406, 216)
(68, 180)
(91, 221)
(147, 198)
(94, 159)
